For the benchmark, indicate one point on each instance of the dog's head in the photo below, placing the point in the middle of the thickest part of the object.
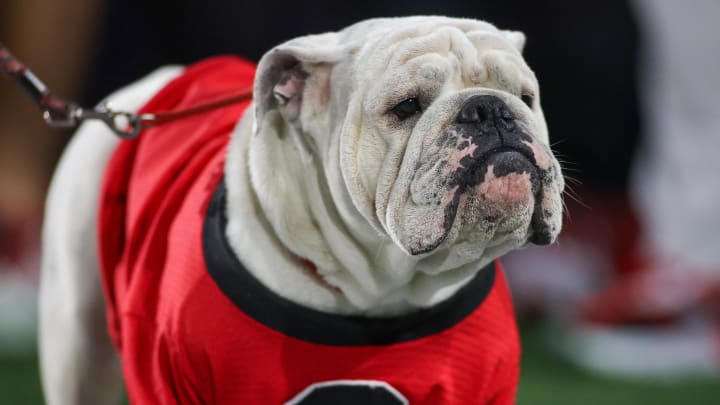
(426, 131)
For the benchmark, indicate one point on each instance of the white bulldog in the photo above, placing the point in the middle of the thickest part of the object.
(398, 155)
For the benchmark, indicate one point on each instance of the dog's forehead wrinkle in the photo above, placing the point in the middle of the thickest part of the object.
(391, 41)
(509, 72)
(433, 73)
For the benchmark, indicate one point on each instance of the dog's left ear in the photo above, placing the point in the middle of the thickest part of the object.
(292, 72)
(517, 38)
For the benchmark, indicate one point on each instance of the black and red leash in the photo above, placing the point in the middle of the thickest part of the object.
(66, 114)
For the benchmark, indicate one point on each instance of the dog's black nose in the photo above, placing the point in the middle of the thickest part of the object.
(486, 109)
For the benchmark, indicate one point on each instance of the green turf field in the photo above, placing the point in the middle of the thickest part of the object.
(545, 380)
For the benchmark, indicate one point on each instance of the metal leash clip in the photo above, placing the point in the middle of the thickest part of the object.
(124, 124)
(59, 113)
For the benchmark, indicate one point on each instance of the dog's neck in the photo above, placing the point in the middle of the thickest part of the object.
(279, 203)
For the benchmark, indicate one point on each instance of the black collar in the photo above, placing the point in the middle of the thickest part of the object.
(300, 322)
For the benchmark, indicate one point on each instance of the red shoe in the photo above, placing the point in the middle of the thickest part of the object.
(658, 319)
(655, 291)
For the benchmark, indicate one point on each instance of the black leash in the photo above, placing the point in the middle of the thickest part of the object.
(59, 113)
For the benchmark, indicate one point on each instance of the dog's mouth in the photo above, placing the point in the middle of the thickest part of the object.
(503, 160)
(499, 177)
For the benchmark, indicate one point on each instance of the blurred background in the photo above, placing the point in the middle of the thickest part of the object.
(624, 309)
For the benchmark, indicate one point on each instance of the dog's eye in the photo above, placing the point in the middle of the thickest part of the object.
(528, 99)
(407, 108)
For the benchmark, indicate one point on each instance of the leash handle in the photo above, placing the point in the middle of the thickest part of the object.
(64, 114)
(57, 112)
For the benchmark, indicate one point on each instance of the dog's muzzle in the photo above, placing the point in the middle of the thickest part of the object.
(500, 145)
(481, 174)
(488, 123)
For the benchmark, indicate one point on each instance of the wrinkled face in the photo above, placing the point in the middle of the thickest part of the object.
(445, 146)
(421, 138)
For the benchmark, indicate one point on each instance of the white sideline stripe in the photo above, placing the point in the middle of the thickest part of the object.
(638, 352)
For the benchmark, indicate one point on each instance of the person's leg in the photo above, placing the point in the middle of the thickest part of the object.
(657, 316)
(676, 181)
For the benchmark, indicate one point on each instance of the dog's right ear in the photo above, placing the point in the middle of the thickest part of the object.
(294, 73)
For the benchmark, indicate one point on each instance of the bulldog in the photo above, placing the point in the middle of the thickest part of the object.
(333, 241)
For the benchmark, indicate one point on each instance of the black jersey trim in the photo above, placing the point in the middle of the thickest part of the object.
(303, 323)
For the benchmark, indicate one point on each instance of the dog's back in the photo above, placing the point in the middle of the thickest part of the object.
(79, 364)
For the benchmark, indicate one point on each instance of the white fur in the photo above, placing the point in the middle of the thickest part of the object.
(78, 363)
(323, 181)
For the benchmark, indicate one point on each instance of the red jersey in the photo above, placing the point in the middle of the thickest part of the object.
(192, 326)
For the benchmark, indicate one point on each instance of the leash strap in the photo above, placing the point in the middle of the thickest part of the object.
(159, 118)
(59, 113)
